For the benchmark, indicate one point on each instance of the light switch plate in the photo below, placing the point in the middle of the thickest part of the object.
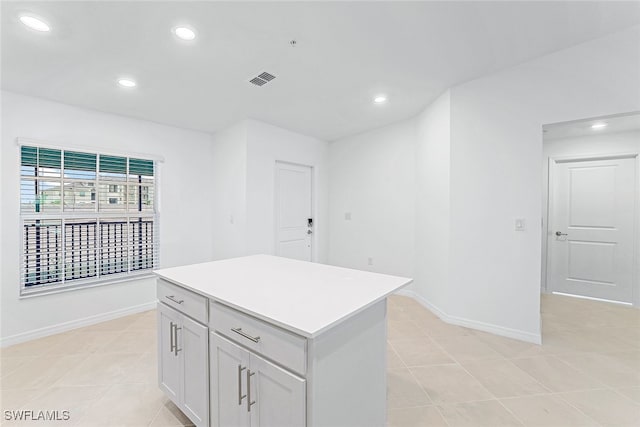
(521, 224)
(347, 216)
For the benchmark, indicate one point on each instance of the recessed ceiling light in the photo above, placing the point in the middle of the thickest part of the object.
(34, 23)
(184, 33)
(126, 83)
(380, 99)
(599, 126)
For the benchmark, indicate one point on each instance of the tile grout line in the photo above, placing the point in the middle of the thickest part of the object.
(482, 385)
(422, 388)
(559, 395)
(457, 362)
(577, 409)
(465, 369)
(414, 379)
(582, 371)
(617, 390)
(604, 387)
(515, 417)
(530, 376)
(155, 416)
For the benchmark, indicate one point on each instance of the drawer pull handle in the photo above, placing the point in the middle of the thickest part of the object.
(249, 402)
(240, 395)
(240, 332)
(171, 336)
(175, 338)
(173, 298)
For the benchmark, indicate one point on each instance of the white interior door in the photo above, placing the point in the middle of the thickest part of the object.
(294, 222)
(591, 230)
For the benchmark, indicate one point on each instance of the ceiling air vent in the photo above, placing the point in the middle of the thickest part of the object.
(266, 76)
(262, 78)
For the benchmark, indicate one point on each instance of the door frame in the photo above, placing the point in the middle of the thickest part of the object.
(548, 223)
(314, 214)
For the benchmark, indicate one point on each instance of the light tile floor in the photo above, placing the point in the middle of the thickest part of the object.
(587, 372)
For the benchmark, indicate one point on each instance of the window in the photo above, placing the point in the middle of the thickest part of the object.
(86, 217)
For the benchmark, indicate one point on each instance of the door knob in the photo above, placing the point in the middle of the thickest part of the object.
(309, 232)
(558, 233)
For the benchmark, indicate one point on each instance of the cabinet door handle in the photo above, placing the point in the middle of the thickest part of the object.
(175, 338)
(249, 402)
(171, 336)
(240, 395)
(173, 298)
(240, 332)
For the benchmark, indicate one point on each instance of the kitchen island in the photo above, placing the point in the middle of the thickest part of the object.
(269, 341)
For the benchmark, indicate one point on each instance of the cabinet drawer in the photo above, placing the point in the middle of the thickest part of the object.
(185, 301)
(283, 347)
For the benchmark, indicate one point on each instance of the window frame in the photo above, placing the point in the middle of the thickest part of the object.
(100, 279)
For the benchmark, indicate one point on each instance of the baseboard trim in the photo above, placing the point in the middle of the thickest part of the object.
(473, 324)
(74, 324)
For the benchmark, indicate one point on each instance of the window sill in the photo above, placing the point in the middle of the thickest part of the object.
(56, 289)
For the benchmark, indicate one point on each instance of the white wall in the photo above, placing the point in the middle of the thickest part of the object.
(433, 203)
(372, 177)
(187, 155)
(492, 280)
(267, 144)
(592, 145)
(496, 147)
(228, 182)
(243, 183)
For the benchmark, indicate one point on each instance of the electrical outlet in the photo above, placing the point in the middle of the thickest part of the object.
(370, 261)
(347, 216)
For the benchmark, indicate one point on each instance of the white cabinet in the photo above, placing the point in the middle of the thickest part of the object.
(247, 390)
(168, 362)
(193, 340)
(279, 395)
(183, 363)
(288, 343)
(228, 390)
(265, 376)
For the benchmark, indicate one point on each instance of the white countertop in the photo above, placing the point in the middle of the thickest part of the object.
(303, 297)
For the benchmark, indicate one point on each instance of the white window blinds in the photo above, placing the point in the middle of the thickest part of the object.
(86, 217)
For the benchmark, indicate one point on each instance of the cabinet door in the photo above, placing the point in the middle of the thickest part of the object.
(168, 360)
(229, 365)
(280, 396)
(193, 345)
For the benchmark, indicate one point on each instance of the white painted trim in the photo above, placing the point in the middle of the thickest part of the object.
(473, 324)
(592, 298)
(42, 290)
(551, 176)
(74, 324)
(592, 157)
(588, 119)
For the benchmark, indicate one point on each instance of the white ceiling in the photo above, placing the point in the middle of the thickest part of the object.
(347, 52)
(621, 123)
